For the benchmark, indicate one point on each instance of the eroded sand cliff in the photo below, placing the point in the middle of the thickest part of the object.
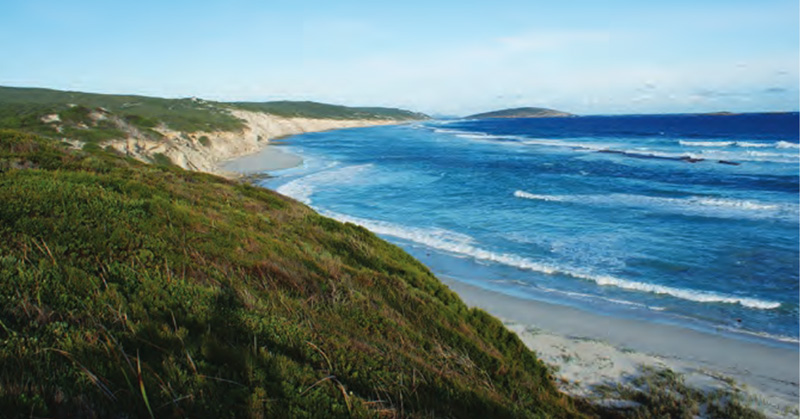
(205, 151)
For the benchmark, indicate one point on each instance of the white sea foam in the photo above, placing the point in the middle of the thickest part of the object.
(480, 136)
(786, 144)
(449, 131)
(746, 144)
(706, 143)
(717, 151)
(526, 195)
(297, 189)
(696, 205)
(567, 144)
(433, 237)
(734, 203)
(682, 293)
(302, 188)
(462, 245)
(742, 144)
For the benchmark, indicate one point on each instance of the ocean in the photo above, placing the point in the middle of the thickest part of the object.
(680, 219)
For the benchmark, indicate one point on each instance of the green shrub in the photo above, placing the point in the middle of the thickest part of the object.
(662, 393)
(162, 159)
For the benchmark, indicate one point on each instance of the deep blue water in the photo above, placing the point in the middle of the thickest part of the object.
(682, 219)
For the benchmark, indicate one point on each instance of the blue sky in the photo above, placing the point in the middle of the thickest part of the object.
(450, 57)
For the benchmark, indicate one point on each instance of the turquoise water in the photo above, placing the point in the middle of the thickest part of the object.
(679, 219)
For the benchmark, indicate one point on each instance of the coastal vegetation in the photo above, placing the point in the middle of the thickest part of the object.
(317, 110)
(86, 113)
(145, 290)
(99, 117)
(663, 393)
(129, 289)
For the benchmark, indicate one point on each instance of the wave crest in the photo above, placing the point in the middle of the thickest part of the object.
(302, 188)
(741, 144)
(463, 245)
(526, 195)
(706, 143)
(696, 205)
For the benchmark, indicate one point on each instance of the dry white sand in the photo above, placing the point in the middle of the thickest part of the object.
(587, 349)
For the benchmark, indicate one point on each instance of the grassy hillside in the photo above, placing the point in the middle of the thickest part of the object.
(322, 110)
(22, 108)
(134, 290)
(98, 117)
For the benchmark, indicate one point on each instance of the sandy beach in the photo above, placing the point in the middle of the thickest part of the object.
(587, 349)
(270, 158)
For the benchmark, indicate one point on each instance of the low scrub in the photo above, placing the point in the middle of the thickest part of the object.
(135, 290)
(663, 393)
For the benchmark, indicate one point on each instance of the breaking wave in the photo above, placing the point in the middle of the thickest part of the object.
(302, 188)
(742, 144)
(696, 205)
(463, 245)
(718, 148)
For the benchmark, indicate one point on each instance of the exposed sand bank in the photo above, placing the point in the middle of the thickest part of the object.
(589, 349)
(207, 151)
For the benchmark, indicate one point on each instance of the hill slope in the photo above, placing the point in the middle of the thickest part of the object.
(521, 113)
(292, 109)
(23, 108)
(129, 289)
(192, 133)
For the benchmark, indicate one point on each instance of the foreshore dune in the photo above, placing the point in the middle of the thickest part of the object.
(207, 151)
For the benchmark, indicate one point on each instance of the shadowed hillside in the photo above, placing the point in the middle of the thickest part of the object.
(129, 289)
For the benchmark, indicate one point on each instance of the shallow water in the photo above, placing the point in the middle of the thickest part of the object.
(680, 219)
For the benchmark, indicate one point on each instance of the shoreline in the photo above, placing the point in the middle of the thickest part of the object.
(587, 349)
(268, 159)
(268, 128)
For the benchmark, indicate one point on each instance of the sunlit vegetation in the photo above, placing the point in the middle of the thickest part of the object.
(100, 117)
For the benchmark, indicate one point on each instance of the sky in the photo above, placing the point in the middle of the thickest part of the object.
(439, 57)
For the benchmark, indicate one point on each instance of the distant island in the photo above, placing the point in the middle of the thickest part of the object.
(721, 113)
(527, 112)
